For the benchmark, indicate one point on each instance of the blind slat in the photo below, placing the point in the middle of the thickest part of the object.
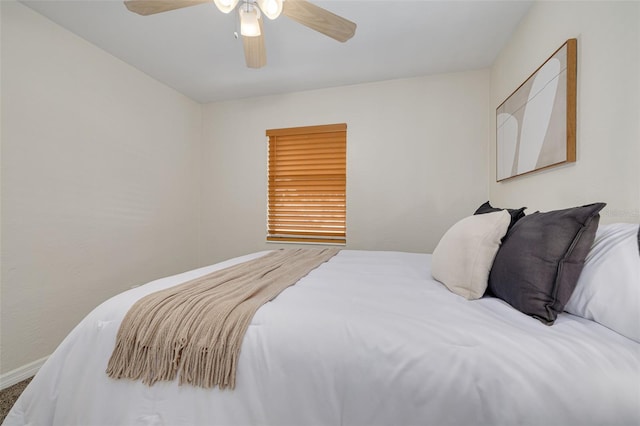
(337, 150)
(284, 146)
(319, 233)
(308, 130)
(312, 216)
(291, 179)
(311, 174)
(302, 202)
(308, 214)
(312, 169)
(307, 161)
(282, 239)
(291, 190)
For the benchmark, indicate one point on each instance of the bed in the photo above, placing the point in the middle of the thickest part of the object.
(372, 338)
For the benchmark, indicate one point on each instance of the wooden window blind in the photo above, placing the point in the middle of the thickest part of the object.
(307, 184)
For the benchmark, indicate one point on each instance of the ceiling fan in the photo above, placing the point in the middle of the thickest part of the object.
(251, 12)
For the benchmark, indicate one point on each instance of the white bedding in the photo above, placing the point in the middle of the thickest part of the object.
(368, 338)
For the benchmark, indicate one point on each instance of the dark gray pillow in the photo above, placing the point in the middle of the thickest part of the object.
(516, 214)
(538, 264)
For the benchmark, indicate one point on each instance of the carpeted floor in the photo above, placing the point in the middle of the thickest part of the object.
(8, 397)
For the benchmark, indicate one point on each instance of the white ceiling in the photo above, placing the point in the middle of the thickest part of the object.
(194, 50)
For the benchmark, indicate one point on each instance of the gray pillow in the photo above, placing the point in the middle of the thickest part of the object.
(538, 265)
(516, 214)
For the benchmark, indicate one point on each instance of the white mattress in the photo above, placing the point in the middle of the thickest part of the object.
(368, 338)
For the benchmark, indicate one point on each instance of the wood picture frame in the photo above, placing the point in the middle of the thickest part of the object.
(536, 124)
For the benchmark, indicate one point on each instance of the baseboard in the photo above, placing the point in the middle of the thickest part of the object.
(19, 374)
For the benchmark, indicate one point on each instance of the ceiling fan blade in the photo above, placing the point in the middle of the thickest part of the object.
(255, 53)
(149, 7)
(319, 19)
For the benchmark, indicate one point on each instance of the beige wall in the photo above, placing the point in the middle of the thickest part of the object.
(608, 113)
(100, 182)
(416, 160)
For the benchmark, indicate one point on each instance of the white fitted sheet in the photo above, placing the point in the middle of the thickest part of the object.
(368, 338)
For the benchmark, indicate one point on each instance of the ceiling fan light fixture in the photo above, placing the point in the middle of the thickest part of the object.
(249, 26)
(271, 8)
(226, 6)
(250, 16)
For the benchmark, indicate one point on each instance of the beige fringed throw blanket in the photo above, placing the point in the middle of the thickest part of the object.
(196, 328)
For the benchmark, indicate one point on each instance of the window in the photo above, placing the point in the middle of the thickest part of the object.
(307, 184)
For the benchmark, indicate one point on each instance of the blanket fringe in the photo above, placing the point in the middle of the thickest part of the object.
(195, 330)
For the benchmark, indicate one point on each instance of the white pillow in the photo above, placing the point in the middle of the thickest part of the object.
(608, 290)
(463, 257)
